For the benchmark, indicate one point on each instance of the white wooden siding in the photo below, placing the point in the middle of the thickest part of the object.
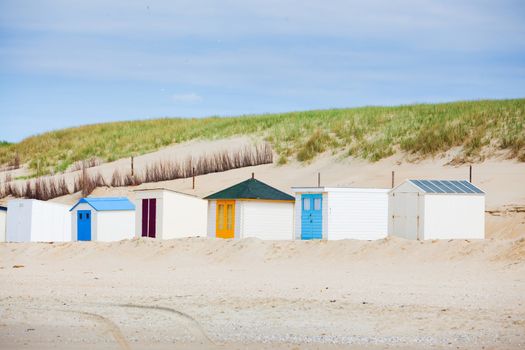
(212, 206)
(3, 223)
(115, 225)
(297, 211)
(357, 215)
(31, 220)
(183, 215)
(326, 213)
(239, 210)
(271, 220)
(454, 217)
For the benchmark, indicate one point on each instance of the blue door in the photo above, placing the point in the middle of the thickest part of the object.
(312, 216)
(84, 225)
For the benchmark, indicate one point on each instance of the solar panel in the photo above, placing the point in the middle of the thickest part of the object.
(443, 187)
(432, 184)
(454, 187)
(463, 187)
(446, 186)
(421, 185)
(471, 186)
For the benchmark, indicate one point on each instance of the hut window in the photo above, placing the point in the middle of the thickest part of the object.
(306, 203)
(229, 217)
(80, 216)
(87, 215)
(317, 204)
(221, 216)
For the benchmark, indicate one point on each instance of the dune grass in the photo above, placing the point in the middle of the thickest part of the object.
(370, 133)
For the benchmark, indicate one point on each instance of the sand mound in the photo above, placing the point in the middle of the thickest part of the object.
(255, 251)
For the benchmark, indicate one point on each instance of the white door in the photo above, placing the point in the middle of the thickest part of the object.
(405, 220)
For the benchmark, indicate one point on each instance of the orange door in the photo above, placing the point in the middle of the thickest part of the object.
(225, 219)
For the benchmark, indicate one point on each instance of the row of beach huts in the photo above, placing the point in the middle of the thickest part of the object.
(416, 209)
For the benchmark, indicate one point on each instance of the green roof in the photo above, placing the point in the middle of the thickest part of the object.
(251, 189)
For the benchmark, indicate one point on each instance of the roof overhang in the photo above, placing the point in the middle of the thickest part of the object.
(339, 189)
(158, 189)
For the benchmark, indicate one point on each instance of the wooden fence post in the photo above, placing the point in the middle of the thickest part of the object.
(470, 174)
(318, 179)
(392, 178)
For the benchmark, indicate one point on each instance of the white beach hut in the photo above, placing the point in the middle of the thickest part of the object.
(32, 220)
(437, 209)
(167, 214)
(3, 223)
(251, 209)
(103, 219)
(341, 213)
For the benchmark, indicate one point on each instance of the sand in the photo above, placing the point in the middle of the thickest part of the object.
(222, 294)
(205, 293)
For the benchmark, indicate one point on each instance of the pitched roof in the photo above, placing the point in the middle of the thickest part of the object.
(251, 189)
(446, 186)
(107, 203)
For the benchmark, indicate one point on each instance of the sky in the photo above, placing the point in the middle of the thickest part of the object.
(66, 63)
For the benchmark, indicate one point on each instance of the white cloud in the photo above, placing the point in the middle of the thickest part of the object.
(189, 98)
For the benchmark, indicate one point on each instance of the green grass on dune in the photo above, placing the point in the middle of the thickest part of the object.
(370, 133)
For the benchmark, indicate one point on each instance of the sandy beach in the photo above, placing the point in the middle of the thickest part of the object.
(208, 293)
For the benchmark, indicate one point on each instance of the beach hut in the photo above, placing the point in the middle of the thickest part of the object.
(437, 209)
(32, 220)
(103, 219)
(250, 209)
(341, 213)
(3, 223)
(166, 214)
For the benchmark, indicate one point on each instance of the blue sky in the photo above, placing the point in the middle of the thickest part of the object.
(66, 63)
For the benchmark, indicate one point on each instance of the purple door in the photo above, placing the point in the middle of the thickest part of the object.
(149, 216)
(152, 218)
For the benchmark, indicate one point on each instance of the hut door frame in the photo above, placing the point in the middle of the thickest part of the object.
(149, 217)
(225, 219)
